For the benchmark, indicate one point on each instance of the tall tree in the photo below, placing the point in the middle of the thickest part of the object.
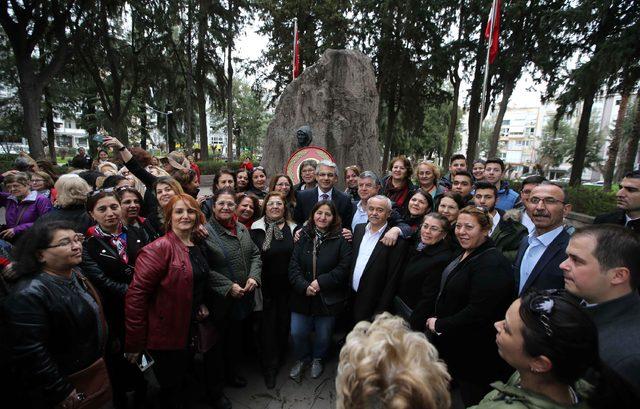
(631, 148)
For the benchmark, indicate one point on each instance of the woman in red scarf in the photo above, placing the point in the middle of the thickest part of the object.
(247, 209)
(397, 186)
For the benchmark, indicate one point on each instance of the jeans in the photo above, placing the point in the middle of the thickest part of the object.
(301, 327)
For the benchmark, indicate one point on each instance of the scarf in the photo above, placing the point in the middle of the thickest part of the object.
(229, 225)
(397, 195)
(319, 237)
(118, 240)
(272, 232)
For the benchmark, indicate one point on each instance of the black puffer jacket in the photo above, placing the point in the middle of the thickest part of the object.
(332, 272)
(52, 333)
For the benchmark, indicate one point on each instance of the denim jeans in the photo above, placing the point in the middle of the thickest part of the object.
(302, 326)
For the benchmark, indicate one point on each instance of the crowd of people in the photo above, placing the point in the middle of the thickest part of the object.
(454, 289)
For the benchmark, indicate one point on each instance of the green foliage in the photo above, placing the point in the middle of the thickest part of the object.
(591, 201)
(558, 145)
(211, 166)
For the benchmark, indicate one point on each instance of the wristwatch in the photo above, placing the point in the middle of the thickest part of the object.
(122, 148)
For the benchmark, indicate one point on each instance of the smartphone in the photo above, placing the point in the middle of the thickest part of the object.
(98, 138)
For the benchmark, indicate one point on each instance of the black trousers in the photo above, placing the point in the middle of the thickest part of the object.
(274, 330)
(227, 352)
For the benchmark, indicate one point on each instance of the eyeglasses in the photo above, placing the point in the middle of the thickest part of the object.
(548, 201)
(285, 184)
(37, 180)
(275, 204)
(77, 238)
(99, 191)
(432, 229)
(230, 205)
(542, 305)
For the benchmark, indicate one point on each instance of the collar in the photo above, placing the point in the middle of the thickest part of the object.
(496, 220)
(628, 219)
(546, 238)
(31, 197)
(367, 229)
(610, 311)
(320, 193)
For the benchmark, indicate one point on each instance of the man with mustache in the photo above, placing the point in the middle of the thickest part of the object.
(540, 254)
(628, 201)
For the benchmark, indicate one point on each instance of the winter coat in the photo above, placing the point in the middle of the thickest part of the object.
(20, 216)
(76, 215)
(508, 235)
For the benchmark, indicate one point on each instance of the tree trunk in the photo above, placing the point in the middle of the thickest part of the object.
(475, 101)
(392, 114)
(632, 144)
(453, 119)
(170, 124)
(230, 86)
(144, 134)
(582, 138)
(201, 100)
(614, 145)
(91, 130)
(504, 103)
(51, 137)
(30, 96)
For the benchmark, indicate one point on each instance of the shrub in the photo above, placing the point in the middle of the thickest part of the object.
(592, 200)
(211, 166)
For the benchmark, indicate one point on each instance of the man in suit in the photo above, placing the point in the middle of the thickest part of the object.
(327, 176)
(373, 263)
(628, 199)
(538, 260)
(506, 233)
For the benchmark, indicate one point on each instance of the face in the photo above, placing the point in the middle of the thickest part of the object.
(64, 252)
(193, 186)
(17, 189)
(224, 207)
(367, 188)
(449, 209)
(275, 207)
(106, 170)
(378, 212)
(259, 179)
(549, 212)
(478, 171)
(103, 155)
(485, 198)
(183, 217)
(628, 197)
(81, 152)
(418, 205)
(164, 193)
(526, 192)
(283, 185)
(125, 172)
(308, 174)
(124, 183)
(431, 231)
(154, 161)
(326, 177)
(457, 165)
(130, 205)
(462, 185)
(225, 180)
(37, 182)
(426, 177)
(245, 209)
(351, 179)
(509, 338)
(107, 213)
(323, 217)
(243, 179)
(583, 275)
(492, 172)
(469, 233)
(398, 170)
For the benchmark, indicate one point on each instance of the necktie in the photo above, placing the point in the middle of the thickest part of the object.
(324, 196)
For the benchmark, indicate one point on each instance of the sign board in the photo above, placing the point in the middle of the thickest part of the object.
(315, 153)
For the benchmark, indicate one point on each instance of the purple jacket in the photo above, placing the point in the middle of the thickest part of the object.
(27, 211)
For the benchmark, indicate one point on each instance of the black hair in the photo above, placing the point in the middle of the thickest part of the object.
(487, 185)
(34, 240)
(457, 156)
(112, 181)
(93, 197)
(497, 161)
(91, 177)
(565, 192)
(219, 173)
(336, 223)
(427, 196)
(463, 173)
(634, 174)
(616, 246)
(455, 196)
(261, 169)
(122, 190)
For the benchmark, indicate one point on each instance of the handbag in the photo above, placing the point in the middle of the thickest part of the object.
(204, 337)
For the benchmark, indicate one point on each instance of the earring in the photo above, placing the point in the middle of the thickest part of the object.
(533, 370)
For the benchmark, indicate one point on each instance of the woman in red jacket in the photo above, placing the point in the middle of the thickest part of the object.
(167, 299)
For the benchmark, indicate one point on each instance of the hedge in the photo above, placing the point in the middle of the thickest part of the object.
(211, 166)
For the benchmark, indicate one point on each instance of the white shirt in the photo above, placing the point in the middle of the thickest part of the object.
(537, 246)
(359, 216)
(320, 193)
(369, 241)
(628, 219)
(527, 222)
(496, 220)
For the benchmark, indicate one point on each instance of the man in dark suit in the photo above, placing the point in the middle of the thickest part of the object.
(326, 175)
(538, 260)
(628, 199)
(373, 263)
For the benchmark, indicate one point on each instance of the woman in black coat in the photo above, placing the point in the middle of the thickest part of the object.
(475, 291)
(108, 258)
(318, 294)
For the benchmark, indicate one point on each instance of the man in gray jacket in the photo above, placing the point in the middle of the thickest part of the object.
(603, 268)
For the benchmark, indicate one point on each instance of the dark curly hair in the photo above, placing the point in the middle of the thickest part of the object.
(34, 240)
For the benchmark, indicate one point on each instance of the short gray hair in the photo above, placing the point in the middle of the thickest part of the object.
(385, 199)
(367, 174)
(328, 163)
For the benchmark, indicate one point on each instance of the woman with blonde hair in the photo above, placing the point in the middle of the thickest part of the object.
(386, 365)
(70, 203)
(428, 175)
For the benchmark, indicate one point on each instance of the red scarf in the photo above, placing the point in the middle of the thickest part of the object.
(118, 241)
(229, 225)
(397, 195)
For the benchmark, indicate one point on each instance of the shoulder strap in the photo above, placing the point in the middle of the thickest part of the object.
(94, 294)
(314, 258)
(24, 209)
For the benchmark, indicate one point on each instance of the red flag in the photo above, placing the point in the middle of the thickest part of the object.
(493, 30)
(296, 51)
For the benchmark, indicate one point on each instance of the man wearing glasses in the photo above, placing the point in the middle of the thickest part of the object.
(327, 176)
(540, 253)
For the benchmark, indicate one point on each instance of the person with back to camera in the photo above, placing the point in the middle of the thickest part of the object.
(70, 204)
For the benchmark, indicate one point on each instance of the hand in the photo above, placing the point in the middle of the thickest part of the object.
(346, 233)
(112, 142)
(200, 233)
(203, 313)
(431, 324)
(391, 237)
(250, 285)
(237, 291)
(296, 236)
(9, 172)
(311, 292)
(202, 199)
(132, 357)
(315, 285)
(7, 234)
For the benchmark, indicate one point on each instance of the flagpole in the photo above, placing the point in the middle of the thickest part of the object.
(486, 67)
(295, 35)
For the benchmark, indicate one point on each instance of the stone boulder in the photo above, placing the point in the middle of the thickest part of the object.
(338, 99)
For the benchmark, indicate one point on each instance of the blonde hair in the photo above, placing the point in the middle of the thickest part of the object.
(72, 190)
(112, 168)
(385, 365)
(434, 169)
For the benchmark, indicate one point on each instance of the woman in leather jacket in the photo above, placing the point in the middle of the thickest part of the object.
(108, 257)
(53, 320)
(131, 203)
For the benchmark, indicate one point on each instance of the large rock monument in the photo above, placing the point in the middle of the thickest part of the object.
(337, 98)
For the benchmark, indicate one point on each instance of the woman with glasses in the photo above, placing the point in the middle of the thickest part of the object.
(235, 268)
(258, 182)
(428, 175)
(23, 206)
(42, 183)
(283, 184)
(54, 318)
(476, 288)
(247, 209)
(131, 203)
(273, 235)
(307, 175)
(109, 254)
(419, 279)
(552, 344)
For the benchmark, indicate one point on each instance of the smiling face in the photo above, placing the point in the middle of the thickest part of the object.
(37, 182)
(426, 177)
(478, 171)
(245, 209)
(323, 217)
(103, 156)
(398, 170)
(431, 231)
(243, 179)
(283, 185)
(225, 180)
(378, 211)
(469, 232)
(418, 205)
(351, 179)
(64, 252)
(224, 207)
(164, 193)
(107, 213)
(130, 205)
(449, 209)
(308, 174)
(183, 217)
(17, 189)
(326, 177)
(493, 172)
(367, 188)
(275, 207)
(259, 179)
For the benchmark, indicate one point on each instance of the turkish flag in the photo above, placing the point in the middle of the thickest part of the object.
(493, 30)
(296, 51)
